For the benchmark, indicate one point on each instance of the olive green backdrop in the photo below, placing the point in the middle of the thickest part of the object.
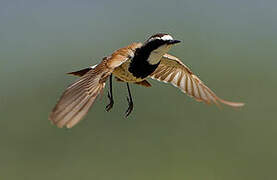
(231, 45)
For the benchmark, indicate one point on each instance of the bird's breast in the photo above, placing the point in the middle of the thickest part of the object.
(140, 65)
(142, 69)
(122, 72)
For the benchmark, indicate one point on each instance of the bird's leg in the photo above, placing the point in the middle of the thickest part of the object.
(130, 102)
(110, 95)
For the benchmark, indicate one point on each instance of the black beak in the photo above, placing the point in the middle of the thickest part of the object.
(173, 41)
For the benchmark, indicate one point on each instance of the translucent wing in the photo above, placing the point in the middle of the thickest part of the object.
(172, 70)
(79, 97)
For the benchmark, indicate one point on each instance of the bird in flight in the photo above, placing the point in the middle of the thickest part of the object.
(134, 63)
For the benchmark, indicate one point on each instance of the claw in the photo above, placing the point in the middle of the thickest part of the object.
(110, 105)
(130, 107)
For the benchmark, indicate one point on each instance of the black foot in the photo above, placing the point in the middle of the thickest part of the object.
(130, 107)
(110, 105)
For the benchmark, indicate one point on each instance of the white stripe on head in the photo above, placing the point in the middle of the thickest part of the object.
(166, 37)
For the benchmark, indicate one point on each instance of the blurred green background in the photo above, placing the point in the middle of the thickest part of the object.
(231, 45)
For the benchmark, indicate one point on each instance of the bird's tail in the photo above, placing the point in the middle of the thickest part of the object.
(79, 97)
(81, 72)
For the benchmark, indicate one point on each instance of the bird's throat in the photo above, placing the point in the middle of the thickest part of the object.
(154, 58)
(146, 60)
(156, 55)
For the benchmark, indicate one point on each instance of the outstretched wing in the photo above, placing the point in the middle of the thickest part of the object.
(172, 70)
(79, 97)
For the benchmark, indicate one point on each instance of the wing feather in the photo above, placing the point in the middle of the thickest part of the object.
(77, 99)
(172, 70)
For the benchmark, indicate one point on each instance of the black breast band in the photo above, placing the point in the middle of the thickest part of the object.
(139, 65)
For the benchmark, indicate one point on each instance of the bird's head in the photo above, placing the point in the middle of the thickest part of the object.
(158, 45)
(161, 39)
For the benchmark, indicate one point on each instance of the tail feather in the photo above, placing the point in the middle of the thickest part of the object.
(80, 73)
(144, 83)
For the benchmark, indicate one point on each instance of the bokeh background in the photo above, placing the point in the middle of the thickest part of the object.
(231, 45)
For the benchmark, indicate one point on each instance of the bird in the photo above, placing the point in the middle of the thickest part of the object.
(135, 63)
